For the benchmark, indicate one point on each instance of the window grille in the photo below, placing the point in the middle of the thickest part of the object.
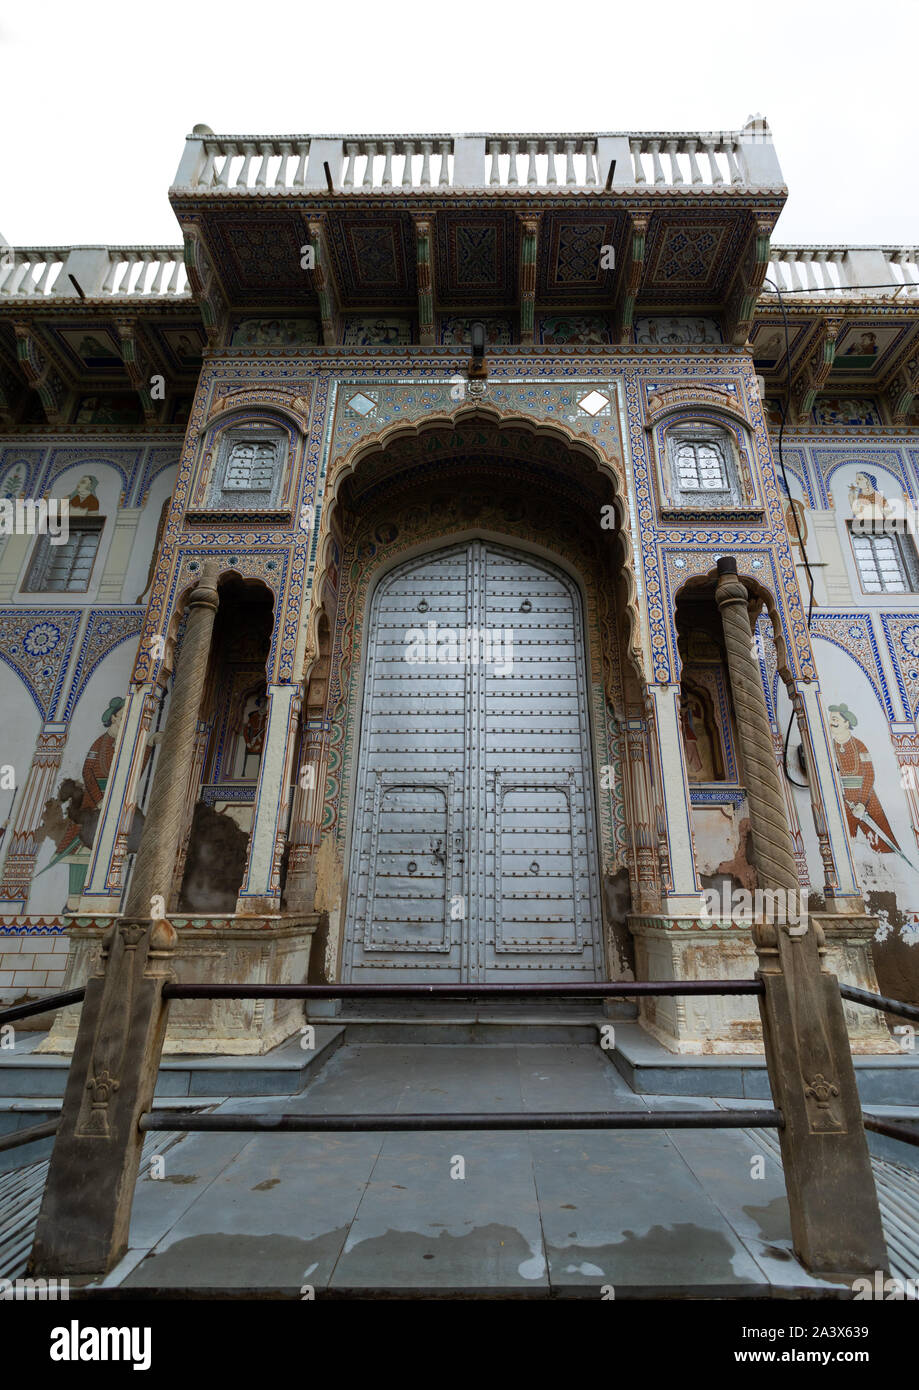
(701, 468)
(250, 467)
(886, 563)
(65, 568)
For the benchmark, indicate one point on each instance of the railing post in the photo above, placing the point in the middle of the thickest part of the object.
(86, 1206)
(835, 1217)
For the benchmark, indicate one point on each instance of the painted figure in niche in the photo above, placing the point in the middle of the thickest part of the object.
(863, 353)
(83, 498)
(253, 734)
(72, 817)
(866, 500)
(863, 809)
(795, 509)
(833, 410)
(96, 353)
(698, 738)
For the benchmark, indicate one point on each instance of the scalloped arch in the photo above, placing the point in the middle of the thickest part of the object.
(346, 465)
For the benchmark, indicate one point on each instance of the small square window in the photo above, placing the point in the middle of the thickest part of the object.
(67, 567)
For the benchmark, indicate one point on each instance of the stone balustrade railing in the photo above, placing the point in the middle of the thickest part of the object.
(672, 161)
(875, 271)
(100, 272)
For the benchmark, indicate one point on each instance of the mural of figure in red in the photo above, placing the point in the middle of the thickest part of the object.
(71, 818)
(253, 733)
(864, 811)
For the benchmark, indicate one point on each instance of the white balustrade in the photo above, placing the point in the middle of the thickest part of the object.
(873, 271)
(100, 271)
(30, 271)
(689, 161)
(686, 160)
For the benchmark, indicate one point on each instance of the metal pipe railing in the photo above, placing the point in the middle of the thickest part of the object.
(42, 1006)
(909, 1134)
(606, 989)
(232, 1122)
(17, 1137)
(879, 1001)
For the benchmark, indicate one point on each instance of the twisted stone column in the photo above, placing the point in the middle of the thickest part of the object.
(159, 846)
(773, 850)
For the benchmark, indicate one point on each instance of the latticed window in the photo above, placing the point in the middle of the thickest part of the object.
(700, 467)
(250, 467)
(65, 568)
(886, 564)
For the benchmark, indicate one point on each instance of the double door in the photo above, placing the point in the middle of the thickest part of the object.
(473, 851)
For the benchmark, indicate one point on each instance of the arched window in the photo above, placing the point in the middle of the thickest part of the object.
(703, 467)
(249, 468)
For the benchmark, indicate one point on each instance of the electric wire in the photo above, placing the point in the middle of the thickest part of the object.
(803, 548)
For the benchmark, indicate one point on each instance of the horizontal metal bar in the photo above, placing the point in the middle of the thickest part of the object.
(26, 1136)
(605, 989)
(41, 1006)
(229, 1121)
(908, 1133)
(879, 1001)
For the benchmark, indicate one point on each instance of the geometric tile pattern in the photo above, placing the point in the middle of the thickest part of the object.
(37, 643)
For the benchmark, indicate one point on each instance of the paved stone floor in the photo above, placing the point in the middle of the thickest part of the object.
(649, 1213)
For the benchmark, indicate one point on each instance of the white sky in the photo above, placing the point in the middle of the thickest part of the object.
(96, 98)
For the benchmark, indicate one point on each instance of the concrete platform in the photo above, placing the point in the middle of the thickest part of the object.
(535, 1214)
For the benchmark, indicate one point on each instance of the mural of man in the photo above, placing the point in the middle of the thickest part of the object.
(867, 501)
(83, 498)
(863, 809)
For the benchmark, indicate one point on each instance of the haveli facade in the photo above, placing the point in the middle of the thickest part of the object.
(462, 703)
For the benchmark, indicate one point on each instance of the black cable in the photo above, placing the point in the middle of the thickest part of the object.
(810, 578)
(841, 289)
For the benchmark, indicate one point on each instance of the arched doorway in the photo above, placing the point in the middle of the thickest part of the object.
(473, 852)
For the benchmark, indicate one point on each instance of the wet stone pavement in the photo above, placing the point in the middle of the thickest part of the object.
(535, 1214)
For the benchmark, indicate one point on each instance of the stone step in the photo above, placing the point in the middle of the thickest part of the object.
(492, 1023)
(883, 1080)
(282, 1072)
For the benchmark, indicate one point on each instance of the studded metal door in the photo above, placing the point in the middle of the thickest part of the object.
(473, 854)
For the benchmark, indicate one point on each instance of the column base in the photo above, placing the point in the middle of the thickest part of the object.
(690, 948)
(211, 950)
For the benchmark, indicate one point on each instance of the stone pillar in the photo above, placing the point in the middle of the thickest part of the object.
(306, 818)
(835, 1218)
(86, 1204)
(153, 868)
(773, 850)
(682, 894)
(261, 889)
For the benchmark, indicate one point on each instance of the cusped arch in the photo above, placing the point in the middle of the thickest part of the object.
(380, 442)
(760, 597)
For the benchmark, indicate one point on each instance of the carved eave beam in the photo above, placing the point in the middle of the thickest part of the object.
(424, 269)
(529, 242)
(138, 369)
(40, 374)
(324, 284)
(630, 279)
(903, 388)
(748, 284)
(812, 375)
(205, 284)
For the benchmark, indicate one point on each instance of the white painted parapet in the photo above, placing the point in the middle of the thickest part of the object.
(100, 272)
(738, 160)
